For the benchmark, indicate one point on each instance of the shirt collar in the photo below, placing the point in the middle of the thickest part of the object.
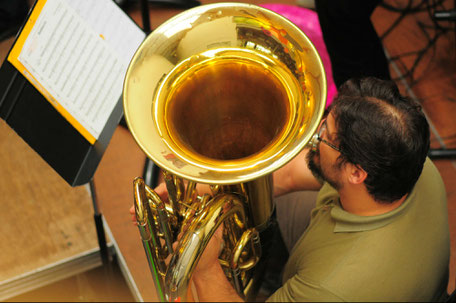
(348, 222)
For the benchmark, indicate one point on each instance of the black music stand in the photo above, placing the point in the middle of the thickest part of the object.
(47, 132)
(44, 129)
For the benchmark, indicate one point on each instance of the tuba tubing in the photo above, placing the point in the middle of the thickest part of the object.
(195, 239)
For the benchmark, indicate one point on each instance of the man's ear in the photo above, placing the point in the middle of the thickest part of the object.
(356, 174)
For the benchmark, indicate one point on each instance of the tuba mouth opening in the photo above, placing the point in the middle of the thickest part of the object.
(227, 110)
(224, 93)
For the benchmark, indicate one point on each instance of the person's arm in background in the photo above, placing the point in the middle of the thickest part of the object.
(295, 176)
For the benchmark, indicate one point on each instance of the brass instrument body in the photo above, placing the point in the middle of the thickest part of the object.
(196, 223)
(222, 94)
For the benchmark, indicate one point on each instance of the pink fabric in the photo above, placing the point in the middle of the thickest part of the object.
(307, 21)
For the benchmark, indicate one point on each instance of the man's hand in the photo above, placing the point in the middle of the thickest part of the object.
(210, 281)
(211, 253)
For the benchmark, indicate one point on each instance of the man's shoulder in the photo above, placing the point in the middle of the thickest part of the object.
(430, 179)
(428, 198)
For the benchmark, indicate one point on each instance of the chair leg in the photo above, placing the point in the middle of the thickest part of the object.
(452, 297)
(442, 153)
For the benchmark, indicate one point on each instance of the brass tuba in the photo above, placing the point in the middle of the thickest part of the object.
(222, 94)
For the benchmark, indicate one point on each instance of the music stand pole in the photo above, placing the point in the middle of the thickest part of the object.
(145, 16)
(104, 253)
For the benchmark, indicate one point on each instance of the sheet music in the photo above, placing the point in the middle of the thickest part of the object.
(78, 51)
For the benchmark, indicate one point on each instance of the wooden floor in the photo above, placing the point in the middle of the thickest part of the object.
(433, 83)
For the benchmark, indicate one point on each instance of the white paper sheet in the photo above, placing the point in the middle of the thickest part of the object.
(79, 51)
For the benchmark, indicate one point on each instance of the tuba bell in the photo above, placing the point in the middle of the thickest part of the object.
(221, 94)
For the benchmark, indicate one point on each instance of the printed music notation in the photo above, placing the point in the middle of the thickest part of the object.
(76, 54)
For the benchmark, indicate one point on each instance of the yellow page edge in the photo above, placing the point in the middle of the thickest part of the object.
(13, 58)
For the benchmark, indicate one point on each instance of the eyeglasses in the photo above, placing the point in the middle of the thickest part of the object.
(317, 138)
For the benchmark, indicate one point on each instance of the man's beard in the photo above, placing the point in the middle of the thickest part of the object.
(318, 172)
(314, 168)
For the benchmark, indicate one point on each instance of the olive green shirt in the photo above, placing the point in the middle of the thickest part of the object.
(402, 255)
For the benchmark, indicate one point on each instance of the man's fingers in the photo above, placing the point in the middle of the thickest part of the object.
(219, 232)
(162, 191)
(133, 214)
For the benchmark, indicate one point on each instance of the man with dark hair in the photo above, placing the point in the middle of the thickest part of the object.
(385, 134)
(379, 228)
